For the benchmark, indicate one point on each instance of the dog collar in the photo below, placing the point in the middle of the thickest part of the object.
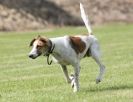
(51, 48)
(50, 51)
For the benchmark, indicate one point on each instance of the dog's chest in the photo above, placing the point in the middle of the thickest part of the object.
(61, 59)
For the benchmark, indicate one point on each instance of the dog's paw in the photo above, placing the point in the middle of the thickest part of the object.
(75, 90)
(98, 81)
(72, 80)
(73, 83)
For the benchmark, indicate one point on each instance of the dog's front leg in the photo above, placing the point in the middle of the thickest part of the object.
(76, 77)
(64, 68)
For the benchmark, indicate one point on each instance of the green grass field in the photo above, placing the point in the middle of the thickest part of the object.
(26, 80)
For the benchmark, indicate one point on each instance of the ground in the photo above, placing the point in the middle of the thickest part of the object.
(26, 80)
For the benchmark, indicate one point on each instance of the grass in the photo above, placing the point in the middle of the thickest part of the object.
(26, 80)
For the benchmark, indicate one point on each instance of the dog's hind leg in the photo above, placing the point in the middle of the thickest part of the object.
(65, 71)
(95, 53)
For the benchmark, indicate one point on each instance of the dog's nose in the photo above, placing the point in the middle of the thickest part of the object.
(31, 56)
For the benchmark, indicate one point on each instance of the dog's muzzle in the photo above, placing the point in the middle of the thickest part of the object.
(33, 56)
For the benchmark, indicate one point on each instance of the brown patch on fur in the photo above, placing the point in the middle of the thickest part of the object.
(42, 42)
(77, 44)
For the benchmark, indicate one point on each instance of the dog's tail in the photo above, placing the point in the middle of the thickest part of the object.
(85, 19)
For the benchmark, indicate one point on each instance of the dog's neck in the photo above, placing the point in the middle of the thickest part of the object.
(51, 47)
(50, 51)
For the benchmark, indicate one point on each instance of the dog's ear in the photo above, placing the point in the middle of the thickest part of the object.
(32, 41)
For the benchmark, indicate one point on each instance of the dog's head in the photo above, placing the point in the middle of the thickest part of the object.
(40, 45)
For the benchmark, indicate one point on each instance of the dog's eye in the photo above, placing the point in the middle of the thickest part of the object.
(39, 46)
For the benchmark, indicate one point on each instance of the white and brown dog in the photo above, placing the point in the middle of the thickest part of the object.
(69, 50)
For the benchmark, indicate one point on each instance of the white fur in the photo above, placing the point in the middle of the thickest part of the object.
(85, 19)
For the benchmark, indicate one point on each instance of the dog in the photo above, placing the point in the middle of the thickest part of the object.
(69, 50)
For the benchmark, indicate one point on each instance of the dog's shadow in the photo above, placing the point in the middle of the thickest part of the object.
(108, 88)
